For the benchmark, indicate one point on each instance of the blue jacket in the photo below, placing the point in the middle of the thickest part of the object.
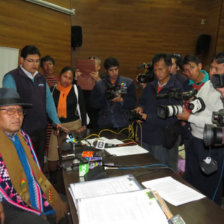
(152, 128)
(113, 115)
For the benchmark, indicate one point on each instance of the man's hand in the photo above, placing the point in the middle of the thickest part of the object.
(59, 128)
(139, 110)
(184, 116)
(2, 214)
(95, 76)
(118, 99)
(81, 129)
(144, 117)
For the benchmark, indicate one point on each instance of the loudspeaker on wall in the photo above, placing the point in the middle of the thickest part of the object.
(203, 44)
(76, 36)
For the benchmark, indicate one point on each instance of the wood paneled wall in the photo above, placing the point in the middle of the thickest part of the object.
(220, 38)
(23, 23)
(133, 31)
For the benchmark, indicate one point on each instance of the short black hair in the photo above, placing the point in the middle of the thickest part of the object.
(162, 56)
(67, 68)
(191, 58)
(219, 58)
(46, 58)
(178, 59)
(110, 62)
(29, 49)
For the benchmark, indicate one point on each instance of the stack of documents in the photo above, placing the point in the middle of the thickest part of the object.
(117, 200)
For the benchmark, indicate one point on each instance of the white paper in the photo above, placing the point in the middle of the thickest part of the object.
(124, 208)
(173, 191)
(104, 187)
(126, 150)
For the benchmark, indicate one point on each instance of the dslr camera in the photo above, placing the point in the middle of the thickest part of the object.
(112, 91)
(148, 75)
(132, 115)
(218, 80)
(196, 105)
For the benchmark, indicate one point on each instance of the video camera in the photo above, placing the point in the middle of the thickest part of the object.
(132, 115)
(218, 80)
(112, 91)
(176, 94)
(196, 105)
(148, 75)
(215, 135)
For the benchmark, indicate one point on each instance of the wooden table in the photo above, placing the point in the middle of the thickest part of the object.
(203, 211)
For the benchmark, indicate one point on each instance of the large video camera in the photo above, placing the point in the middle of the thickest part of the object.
(194, 106)
(148, 75)
(215, 135)
(218, 80)
(112, 91)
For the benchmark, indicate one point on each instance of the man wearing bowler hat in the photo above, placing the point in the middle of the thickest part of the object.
(25, 193)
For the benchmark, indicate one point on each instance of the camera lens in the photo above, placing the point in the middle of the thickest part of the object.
(171, 110)
(174, 110)
(213, 135)
(164, 111)
(180, 109)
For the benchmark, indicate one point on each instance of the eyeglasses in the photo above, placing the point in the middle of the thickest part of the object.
(13, 111)
(33, 61)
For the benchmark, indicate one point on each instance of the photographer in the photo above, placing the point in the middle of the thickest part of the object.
(196, 152)
(155, 130)
(176, 68)
(217, 67)
(113, 96)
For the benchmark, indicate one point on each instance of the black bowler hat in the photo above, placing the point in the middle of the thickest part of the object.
(11, 97)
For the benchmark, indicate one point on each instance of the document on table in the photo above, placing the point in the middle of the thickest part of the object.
(173, 191)
(130, 207)
(104, 186)
(126, 150)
